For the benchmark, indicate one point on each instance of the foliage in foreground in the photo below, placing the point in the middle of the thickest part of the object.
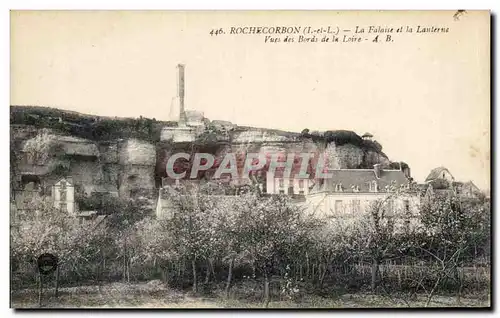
(211, 243)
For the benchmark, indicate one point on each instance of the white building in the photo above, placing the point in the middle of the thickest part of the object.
(351, 192)
(276, 183)
(63, 195)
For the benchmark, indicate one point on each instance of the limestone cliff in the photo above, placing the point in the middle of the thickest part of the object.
(126, 157)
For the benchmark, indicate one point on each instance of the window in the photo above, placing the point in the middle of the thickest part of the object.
(356, 204)
(281, 183)
(282, 191)
(355, 188)
(373, 186)
(338, 187)
(301, 184)
(407, 206)
(338, 206)
(62, 195)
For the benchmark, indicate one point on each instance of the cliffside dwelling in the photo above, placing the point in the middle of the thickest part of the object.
(67, 170)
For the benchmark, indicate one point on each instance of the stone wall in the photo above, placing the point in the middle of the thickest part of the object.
(110, 166)
(137, 152)
(130, 166)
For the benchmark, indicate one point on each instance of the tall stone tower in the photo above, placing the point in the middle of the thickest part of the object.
(177, 107)
(180, 93)
(184, 131)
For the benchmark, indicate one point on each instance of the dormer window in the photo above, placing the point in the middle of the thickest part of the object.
(373, 186)
(355, 188)
(338, 187)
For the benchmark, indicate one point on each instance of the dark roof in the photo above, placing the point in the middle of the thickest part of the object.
(362, 178)
(436, 173)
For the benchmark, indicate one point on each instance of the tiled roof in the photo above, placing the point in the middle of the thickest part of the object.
(350, 178)
(436, 173)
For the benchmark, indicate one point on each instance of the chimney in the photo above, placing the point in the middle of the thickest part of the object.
(377, 169)
(180, 93)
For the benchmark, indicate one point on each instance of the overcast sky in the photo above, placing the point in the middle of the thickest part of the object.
(425, 97)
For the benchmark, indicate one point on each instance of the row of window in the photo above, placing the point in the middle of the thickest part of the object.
(281, 183)
(290, 191)
(355, 206)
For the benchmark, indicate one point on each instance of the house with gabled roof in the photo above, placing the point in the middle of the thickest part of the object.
(441, 173)
(349, 193)
(441, 179)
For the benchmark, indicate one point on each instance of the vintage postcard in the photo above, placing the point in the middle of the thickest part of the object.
(250, 159)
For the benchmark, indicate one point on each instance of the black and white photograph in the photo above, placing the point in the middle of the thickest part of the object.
(250, 159)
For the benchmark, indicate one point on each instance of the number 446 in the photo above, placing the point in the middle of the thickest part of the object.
(216, 32)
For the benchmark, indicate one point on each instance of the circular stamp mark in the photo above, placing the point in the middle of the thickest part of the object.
(47, 263)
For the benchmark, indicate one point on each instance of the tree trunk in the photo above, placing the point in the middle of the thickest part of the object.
(266, 289)
(207, 274)
(56, 293)
(431, 293)
(313, 272)
(193, 265)
(322, 275)
(127, 264)
(307, 265)
(40, 288)
(460, 284)
(212, 268)
(165, 274)
(375, 266)
(103, 264)
(124, 265)
(330, 269)
(229, 277)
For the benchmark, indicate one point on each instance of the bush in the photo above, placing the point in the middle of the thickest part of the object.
(341, 137)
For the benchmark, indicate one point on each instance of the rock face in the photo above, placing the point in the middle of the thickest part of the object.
(118, 167)
(130, 162)
(349, 156)
(246, 140)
